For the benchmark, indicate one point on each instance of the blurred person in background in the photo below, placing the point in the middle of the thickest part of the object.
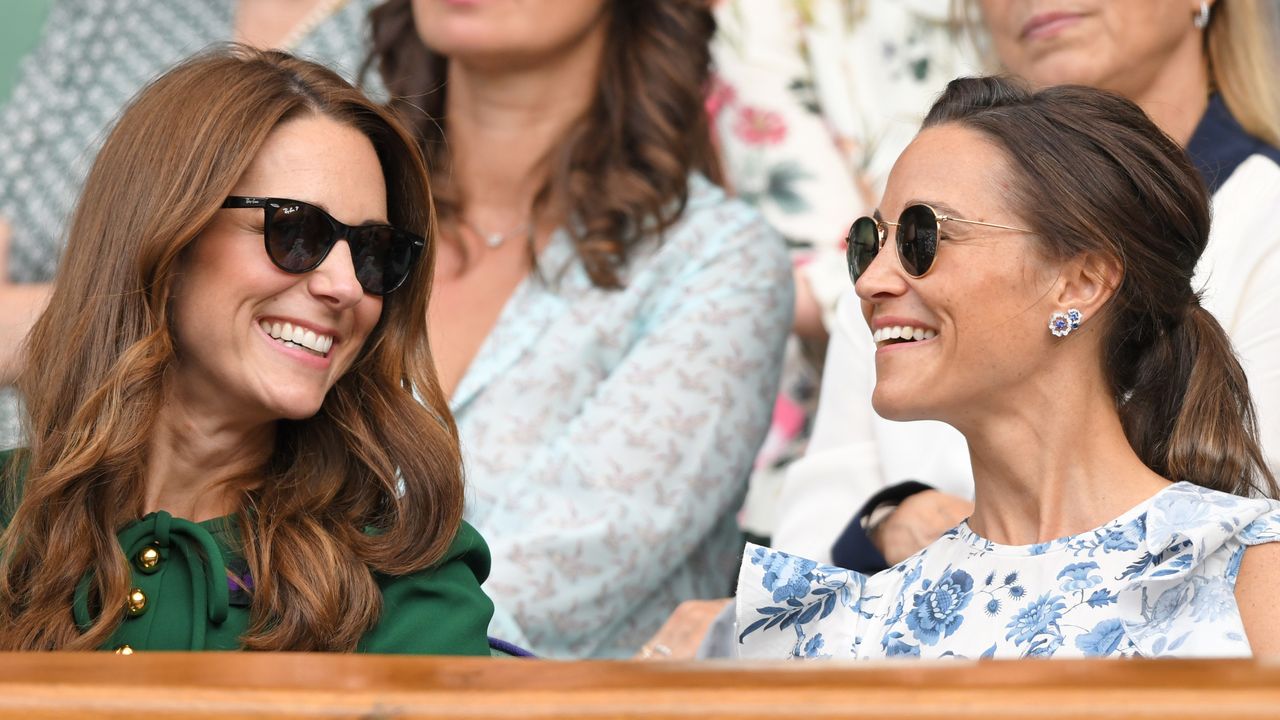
(1206, 73)
(607, 324)
(94, 55)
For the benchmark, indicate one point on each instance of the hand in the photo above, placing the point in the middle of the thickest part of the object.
(808, 324)
(918, 521)
(23, 303)
(680, 636)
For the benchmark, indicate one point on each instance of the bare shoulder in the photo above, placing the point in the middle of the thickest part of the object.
(1256, 588)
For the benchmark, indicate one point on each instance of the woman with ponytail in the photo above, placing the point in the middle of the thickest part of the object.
(1028, 280)
(1204, 71)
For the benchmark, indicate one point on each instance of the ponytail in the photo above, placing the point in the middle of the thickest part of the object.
(1188, 413)
(1126, 191)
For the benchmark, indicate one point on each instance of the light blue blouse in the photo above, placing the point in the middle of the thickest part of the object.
(608, 434)
(1159, 581)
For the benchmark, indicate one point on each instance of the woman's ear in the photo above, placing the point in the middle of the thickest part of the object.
(1087, 282)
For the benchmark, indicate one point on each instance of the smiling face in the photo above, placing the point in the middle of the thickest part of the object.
(1118, 45)
(506, 31)
(978, 317)
(255, 342)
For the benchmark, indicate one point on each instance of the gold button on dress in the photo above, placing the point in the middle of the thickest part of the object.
(148, 559)
(137, 602)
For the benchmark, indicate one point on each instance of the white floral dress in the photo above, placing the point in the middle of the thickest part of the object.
(1157, 581)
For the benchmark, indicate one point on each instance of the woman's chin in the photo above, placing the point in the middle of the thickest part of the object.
(900, 406)
(298, 408)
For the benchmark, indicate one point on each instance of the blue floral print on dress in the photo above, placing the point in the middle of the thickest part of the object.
(1157, 581)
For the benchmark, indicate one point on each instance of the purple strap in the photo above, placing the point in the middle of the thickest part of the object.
(507, 648)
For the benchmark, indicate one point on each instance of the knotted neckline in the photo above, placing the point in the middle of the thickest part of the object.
(181, 541)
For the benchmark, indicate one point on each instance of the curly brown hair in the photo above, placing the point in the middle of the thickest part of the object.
(622, 172)
(373, 457)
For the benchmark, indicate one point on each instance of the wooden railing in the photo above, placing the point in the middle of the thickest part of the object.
(229, 686)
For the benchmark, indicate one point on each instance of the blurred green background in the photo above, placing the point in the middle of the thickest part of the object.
(20, 23)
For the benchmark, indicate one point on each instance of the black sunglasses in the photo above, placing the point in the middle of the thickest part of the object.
(916, 237)
(299, 236)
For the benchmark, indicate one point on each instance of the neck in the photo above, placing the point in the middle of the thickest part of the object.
(192, 455)
(1177, 96)
(504, 122)
(1053, 464)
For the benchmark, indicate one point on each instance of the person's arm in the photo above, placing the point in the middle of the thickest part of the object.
(1255, 595)
(1256, 338)
(32, 124)
(647, 476)
(439, 611)
(840, 468)
(22, 303)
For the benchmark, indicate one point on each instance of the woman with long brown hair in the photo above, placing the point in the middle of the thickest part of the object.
(607, 324)
(225, 449)
(1028, 281)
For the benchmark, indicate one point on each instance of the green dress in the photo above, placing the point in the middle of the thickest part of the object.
(191, 591)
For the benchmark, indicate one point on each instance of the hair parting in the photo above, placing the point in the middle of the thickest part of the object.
(370, 485)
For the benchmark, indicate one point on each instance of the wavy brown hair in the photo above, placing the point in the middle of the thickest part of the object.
(622, 171)
(1094, 175)
(371, 484)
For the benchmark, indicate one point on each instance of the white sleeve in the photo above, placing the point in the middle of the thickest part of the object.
(841, 468)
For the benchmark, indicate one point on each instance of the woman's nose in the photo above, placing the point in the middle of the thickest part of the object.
(335, 280)
(884, 277)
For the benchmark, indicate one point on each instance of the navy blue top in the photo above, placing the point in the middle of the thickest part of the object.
(1220, 144)
(1217, 147)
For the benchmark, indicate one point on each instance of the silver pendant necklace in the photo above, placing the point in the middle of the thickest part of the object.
(494, 240)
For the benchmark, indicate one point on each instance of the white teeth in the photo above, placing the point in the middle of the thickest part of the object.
(903, 332)
(298, 335)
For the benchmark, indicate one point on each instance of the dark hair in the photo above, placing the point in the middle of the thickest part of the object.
(1122, 189)
(373, 457)
(622, 172)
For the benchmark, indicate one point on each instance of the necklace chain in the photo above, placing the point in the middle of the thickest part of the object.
(494, 240)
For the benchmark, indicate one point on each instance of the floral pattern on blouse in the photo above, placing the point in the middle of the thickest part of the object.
(608, 434)
(1158, 581)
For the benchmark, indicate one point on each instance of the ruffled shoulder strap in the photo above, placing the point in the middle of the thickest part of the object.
(1186, 571)
(1206, 519)
(792, 607)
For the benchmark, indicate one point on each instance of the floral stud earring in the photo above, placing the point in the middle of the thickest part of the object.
(1061, 324)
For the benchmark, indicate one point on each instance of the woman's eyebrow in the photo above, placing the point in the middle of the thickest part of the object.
(939, 207)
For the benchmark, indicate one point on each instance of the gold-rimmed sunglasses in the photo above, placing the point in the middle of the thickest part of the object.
(916, 238)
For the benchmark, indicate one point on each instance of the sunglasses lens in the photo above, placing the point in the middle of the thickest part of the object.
(917, 239)
(298, 237)
(383, 258)
(863, 244)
